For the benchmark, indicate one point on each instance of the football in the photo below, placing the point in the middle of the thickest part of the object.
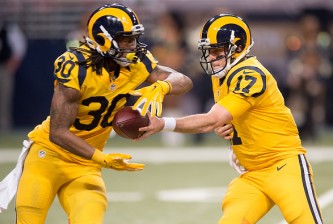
(126, 123)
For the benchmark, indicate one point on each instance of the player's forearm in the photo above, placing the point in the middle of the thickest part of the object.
(180, 83)
(199, 123)
(70, 142)
(63, 112)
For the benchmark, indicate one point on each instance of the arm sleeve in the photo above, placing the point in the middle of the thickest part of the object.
(66, 71)
(245, 86)
(235, 104)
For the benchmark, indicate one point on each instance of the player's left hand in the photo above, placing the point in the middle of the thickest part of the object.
(121, 162)
(151, 97)
(225, 131)
(116, 161)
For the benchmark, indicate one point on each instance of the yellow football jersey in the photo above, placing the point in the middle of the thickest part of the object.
(265, 131)
(101, 98)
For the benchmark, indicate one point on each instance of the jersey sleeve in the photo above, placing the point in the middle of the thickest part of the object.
(66, 70)
(235, 104)
(245, 85)
(149, 61)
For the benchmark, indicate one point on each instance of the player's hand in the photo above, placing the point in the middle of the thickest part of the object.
(151, 97)
(116, 161)
(225, 131)
(156, 125)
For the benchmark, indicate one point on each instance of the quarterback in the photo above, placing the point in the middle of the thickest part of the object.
(249, 109)
(92, 82)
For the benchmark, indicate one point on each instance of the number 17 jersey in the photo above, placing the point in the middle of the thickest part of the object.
(265, 131)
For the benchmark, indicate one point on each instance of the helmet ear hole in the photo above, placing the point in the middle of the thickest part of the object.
(100, 40)
(239, 49)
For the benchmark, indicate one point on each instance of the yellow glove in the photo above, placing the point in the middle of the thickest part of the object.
(151, 96)
(116, 161)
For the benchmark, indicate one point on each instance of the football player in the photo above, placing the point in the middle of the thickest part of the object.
(266, 147)
(92, 82)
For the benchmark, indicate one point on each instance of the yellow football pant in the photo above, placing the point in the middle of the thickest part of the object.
(80, 189)
(287, 184)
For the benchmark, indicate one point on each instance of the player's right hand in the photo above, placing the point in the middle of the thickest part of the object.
(116, 161)
(225, 131)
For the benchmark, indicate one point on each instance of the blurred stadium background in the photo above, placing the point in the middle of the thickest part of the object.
(185, 175)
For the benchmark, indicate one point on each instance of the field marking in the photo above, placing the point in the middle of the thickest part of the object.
(326, 199)
(204, 195)
(207, 194)
(204, 154)
(182, 154)
(192, 195)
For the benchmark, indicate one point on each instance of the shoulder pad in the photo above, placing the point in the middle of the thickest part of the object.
(149, 61)
(151, 57)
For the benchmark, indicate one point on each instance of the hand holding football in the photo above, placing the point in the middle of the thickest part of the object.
(126, 123)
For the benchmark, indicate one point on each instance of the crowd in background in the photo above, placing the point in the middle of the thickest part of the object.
(12, 50)
(309, 75)
(298, 50)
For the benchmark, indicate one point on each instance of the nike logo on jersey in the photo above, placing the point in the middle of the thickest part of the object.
(279, 168)
(113, 87)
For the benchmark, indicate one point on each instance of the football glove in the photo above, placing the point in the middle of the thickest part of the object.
(116, 161)
(151, 97)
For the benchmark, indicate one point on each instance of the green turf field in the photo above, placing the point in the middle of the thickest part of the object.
(179, 185)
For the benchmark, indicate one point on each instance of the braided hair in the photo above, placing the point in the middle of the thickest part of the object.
(95, 59)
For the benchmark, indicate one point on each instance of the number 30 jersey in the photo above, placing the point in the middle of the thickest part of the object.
(101, 98)
(265, 131)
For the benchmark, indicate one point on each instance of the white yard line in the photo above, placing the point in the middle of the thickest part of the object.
(181, 154)
(181, 195)
(326, 199)
(207, 195)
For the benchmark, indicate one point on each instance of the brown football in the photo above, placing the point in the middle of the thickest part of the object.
(126, 123)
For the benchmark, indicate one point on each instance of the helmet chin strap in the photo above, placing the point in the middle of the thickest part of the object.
(229, 65)
(124, 62)
(222, 73)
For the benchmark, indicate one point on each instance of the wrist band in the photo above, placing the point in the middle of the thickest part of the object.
(170, 86)
(98, 156)
(169, 124)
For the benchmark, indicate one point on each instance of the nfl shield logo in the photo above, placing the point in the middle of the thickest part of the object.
(113, 87)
